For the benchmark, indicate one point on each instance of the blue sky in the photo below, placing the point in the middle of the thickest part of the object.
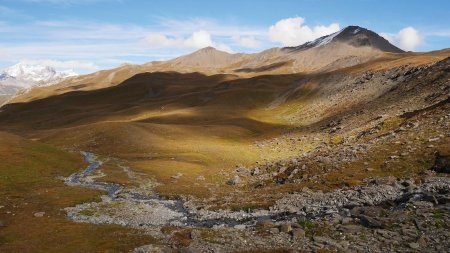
(88, 35)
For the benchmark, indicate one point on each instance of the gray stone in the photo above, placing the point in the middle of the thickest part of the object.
(286, 228)
(256, 171)
(235, 180)
(177, 176)
(39, 214)
(346, 220)
(240, 227)
(274, 230)
(298, 233)
(350, 229)
(413, 245)
(370, 222)
(264, 223)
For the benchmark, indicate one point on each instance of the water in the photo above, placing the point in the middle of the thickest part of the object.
(141, 204)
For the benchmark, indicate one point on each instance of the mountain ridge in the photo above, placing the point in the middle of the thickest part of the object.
(23, 76)
(351, 46)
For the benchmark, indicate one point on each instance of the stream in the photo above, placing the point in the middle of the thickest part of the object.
(139, 206)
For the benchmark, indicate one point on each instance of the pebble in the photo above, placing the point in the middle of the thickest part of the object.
(414, 245)
(39, 214)
(274, 230)
(240, 227)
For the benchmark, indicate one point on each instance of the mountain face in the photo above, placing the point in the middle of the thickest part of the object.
(207, 57)
(25, 76)
(351, 35)
(351, 46)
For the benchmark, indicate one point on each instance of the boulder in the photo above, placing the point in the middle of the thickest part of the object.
(266, 223)
(370, 222)
(441, 163)
(235, 180)
(298, 233)
(286, 228)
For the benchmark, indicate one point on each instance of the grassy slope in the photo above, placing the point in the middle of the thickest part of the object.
(29, 184)
(168, 123)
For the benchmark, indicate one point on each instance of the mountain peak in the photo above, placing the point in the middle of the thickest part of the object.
(24, 75)
(34, 72)
(210, 50)
(208, 56)
(353, 35)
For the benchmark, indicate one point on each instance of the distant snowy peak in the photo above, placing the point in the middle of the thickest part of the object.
(24, 76)
(352, 35)
(34, 73)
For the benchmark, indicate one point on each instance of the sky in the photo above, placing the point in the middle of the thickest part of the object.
(90, 35)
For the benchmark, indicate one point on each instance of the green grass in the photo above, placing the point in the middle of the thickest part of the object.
(29, 184)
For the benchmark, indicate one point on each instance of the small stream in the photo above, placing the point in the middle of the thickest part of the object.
(135, 207)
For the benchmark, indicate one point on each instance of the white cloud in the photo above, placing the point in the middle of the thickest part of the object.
(196, 40)
(65, 2)
(161, 40)
(248, 42)
(407, 38)
(293, 32)
(439, 33)
(175, 26)
(64, 65)
(199, 39)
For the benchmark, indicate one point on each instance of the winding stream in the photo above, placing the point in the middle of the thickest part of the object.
(140, 206)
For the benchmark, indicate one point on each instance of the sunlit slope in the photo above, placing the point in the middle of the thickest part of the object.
(202, 126)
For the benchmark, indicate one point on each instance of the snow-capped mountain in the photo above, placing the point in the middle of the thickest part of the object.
(352, 35)
(25, 76)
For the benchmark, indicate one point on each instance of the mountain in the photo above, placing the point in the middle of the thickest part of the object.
(351, 35)
(208, 57)
(351, 46)
(34, 73)
(24, 76)
(348, 47)
(344, 140)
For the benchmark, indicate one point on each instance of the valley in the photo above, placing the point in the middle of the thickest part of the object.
(340, 144)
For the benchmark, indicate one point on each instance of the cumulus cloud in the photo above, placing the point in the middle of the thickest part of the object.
(199, 39)
(196, 40)
(407, 38)
(64, 65)
(248, 42)
(293, 31)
